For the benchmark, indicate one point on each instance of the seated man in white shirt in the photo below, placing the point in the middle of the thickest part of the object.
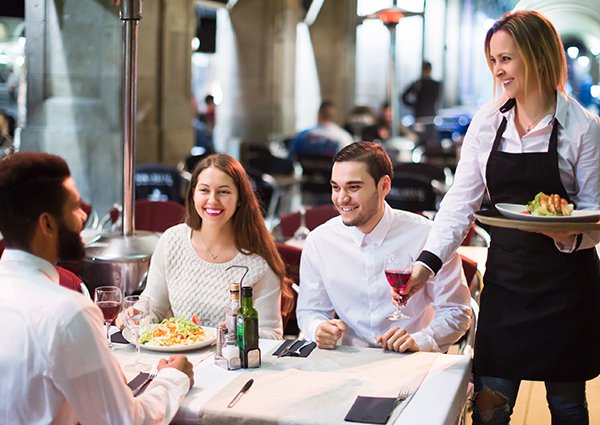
(342, 271)
(54, 363)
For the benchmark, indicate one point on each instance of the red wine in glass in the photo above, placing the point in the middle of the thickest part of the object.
(398, 269)
(110, 309)
(108, 299)
(398, 278)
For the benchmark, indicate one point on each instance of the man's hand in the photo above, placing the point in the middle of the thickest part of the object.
(397, 339)
(419, 276)
(329, 332)
(180, 363)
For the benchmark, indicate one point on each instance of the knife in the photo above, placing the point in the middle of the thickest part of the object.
(239, 395)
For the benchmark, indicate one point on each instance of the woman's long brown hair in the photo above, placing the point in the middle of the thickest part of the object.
(250, 234)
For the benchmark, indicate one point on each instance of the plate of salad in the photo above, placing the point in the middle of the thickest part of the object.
(173, 335)
(548, 208)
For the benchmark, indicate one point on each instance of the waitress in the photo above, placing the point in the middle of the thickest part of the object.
(538, 316)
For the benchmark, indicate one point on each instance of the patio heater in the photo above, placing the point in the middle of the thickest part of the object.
(390, 17)
(122, 258)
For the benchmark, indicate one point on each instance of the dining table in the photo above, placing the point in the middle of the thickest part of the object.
(321, 388)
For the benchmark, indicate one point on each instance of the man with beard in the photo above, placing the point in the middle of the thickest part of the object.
(342, 267)
(54, 363)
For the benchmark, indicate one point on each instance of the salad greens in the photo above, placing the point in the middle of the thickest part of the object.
(173, 331)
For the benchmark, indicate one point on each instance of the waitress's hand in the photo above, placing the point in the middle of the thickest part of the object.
(564, 238)
(418, 278)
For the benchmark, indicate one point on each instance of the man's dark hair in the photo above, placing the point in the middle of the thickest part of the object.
(378, 162)
(209, 99)
(30, 185)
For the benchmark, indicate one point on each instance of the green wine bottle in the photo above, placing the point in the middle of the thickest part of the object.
(247, 331)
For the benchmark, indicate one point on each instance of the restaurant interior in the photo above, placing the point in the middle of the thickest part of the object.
(125, 103)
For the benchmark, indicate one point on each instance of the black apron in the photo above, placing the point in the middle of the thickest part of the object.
(540, 308)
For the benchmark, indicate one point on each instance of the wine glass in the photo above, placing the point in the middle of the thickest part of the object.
(108, 298)
(302, 231)
(398, 268)
(136, 313)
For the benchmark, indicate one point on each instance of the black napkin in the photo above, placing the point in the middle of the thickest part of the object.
(371, 410)
(118, 338)
(294, 344)
(137, 381)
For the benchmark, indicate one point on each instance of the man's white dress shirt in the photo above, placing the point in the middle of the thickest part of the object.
(342, 271)
(55, 367)
(578, 163)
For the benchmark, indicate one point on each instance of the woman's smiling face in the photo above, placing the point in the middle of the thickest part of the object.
(215, 197)
(508, 66)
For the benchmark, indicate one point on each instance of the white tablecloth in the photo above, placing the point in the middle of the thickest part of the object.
(437, 401)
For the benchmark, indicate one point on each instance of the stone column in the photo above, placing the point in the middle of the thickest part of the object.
(73, 59)
(265, 38)
(334, 44)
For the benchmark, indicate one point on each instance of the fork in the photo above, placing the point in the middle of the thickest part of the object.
(403, 394)
(296, 352)
(149, 378)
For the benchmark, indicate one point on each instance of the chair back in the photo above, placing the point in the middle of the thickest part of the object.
(157, 182)
(425, 171)
(316, 174)
(157, 216)
(291, 257)
(315, 216)
(412, 194)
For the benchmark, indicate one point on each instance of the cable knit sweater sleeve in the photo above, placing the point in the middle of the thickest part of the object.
(181, 283)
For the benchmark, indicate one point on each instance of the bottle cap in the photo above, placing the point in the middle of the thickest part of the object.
(234, 287)
(246, 291)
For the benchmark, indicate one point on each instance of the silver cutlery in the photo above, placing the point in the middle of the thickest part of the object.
(295, 352)
(240, 393)
(149, 378)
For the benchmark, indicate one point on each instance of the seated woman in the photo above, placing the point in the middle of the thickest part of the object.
(223, 227)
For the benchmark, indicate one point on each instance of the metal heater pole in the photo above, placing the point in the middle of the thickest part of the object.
(130, 14)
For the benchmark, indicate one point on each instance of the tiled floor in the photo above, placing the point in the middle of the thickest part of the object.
(532, 409)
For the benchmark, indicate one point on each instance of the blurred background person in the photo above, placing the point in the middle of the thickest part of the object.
(326, 138)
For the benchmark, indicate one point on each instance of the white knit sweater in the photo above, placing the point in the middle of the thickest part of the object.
(180, 283)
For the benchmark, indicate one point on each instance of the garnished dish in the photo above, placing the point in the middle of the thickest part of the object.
(549, 206)
(523, 213)
(176, 334)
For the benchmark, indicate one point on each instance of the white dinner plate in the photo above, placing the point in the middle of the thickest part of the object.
(516, 211)
(211, 333)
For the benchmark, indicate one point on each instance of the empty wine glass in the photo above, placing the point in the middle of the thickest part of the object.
(302, 231)
(398, 269)
(136, 313)
(108, 298)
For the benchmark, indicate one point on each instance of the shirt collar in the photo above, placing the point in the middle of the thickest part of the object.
(31, 260)
(378, 233)
(562, 105)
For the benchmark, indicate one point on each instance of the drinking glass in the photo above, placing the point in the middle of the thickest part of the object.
(108, 298)
(398, 268)
(136, 313)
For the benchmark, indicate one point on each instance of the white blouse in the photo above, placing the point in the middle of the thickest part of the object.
(579, 167)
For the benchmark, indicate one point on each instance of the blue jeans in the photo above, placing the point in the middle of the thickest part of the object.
(566, 401)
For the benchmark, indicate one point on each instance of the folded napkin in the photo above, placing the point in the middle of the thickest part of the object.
(118, 338)
(289, 345)
(137, 381)
(371, 410)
